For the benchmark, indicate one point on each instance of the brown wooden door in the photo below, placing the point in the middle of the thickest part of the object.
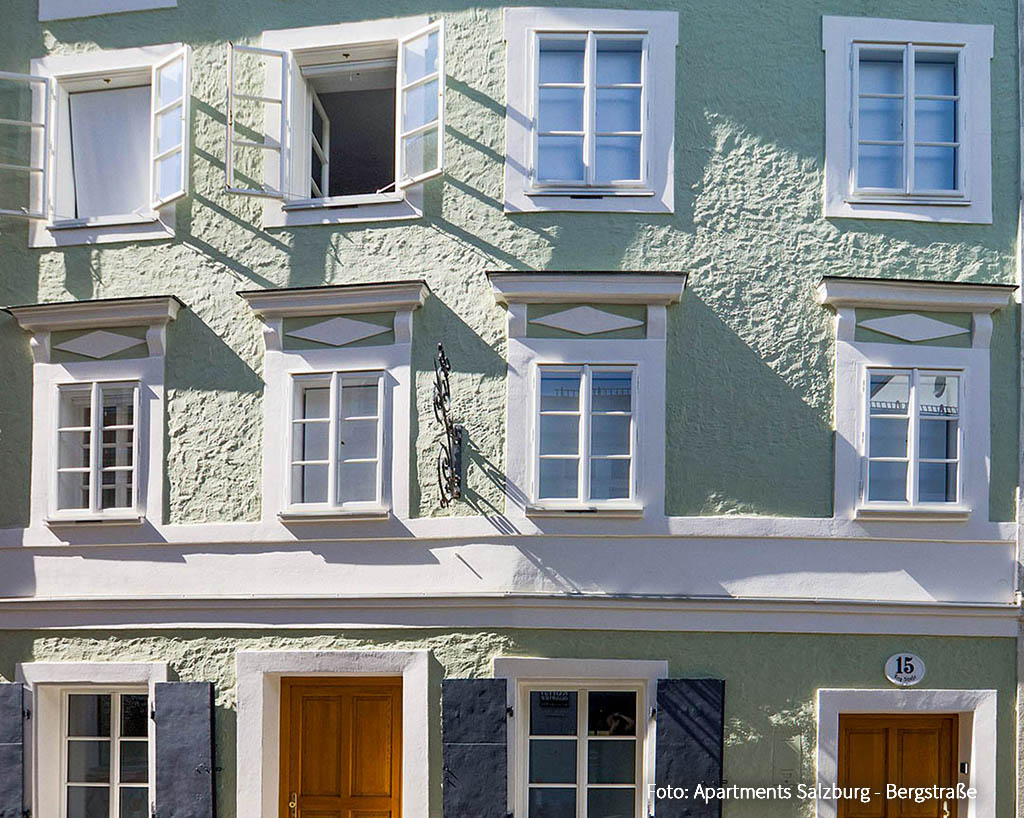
(341, 747)
(907, 751)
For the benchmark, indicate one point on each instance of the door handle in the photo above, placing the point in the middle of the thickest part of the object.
(293, 806)
(945, 809)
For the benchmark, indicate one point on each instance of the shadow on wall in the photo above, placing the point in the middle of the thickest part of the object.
(15, 424)
(740, 439)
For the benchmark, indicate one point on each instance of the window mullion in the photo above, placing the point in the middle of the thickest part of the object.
(590, 107)
(584, 432)
(95, 446)
(333, 419)
(581, 753)
(909, 68)
(912, 440)
(135, 446)
(115, 755)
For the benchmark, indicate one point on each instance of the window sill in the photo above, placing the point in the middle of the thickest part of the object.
(345, 201)
(103, 221)
(331, 515)
(945, 201)
(903, 512)
(95, 519)
(588, 192)
(373, 207)
(561, 510)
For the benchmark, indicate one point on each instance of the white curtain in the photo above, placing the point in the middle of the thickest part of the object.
(110, 148)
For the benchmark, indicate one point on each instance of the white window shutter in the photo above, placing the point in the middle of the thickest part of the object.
(257, 122)
(419, 135)
(26, 152)
(169, 129)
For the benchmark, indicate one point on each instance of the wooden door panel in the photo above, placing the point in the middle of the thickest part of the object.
(371, 750)
(864, 765)
(319, 755)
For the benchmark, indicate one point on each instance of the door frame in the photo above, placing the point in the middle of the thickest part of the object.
(977, 735)
(259, 719)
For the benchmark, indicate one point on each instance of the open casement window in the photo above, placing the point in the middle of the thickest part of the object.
(170, 128)
(907, 121)
(25, 113)
(97, 449)
(913, 437)
(585, 435)
(419, 136)
(257, 124)
(336, 441)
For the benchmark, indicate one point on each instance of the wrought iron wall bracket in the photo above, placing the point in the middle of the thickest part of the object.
(449, 454)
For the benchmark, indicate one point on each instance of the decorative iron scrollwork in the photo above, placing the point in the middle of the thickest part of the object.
(449, 454)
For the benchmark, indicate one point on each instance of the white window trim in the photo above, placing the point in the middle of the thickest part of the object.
(854, 358)
(840, 36)
(46, 683)
(68, 9)
(661, 32)
(40, 320)
(977, 712)
(524, 673)
(259, 719)
(388, 206)
(281, 366)
(646, 356)
(85, 71)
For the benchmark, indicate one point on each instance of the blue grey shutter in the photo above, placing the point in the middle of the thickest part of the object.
(184, 750)
(690, 726)
(474, 749)
(12, 743)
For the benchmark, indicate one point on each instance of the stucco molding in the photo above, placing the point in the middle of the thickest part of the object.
(338, 299)
(601, 288)
(153, 310)
(842, 291)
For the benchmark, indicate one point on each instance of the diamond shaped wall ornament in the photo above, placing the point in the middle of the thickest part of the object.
(99, 344)
(586, 321)
(913, 327)
(339, 331)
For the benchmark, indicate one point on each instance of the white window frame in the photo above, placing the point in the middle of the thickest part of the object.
(583, 498)
(913, 440)
(333, 380)
(288, 50)
(67, 73)
(855, 358)
(654, 192)
(48, 377)
(524, 674)
(67, 9)
(842, 38)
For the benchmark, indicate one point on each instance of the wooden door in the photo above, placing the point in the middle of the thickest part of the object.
(341, 748)
(903, 750)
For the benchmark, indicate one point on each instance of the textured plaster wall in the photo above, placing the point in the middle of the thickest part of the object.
(750, 350)
(771, 679)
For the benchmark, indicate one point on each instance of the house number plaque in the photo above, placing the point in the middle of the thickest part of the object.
(904, 669)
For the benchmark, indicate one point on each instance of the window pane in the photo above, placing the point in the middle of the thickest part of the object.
(134, 802)
(168, 177)
(937, 483)
(611, 762)
(561, 60)
(357, 482)
(935, 74)
(559, 434)
(169, 82)
(74, 449)
(611, 713)
(610, 434)
(309, 484)
(73, 490)
(88, 762)
(134, 715)
(881, 72)
(560, 158)
(609, 479)
(938, 439)
(134, 762)
(887, 481)
(420, 105)
(560, 391)
(421, 57)
(939, 395)
(117, 448)
(116, 489)
(552, 803)
(315, 402)
(419, 153)
(310, 441)
(888, 437)
(611, 803)
(552, 762)
(88, 802)
(934, 168)
(618, 158)
(88, 715)
(118, 405)
(934, 120)
(880, 118)
(611, 392)
(561, 109)
(359, 397)
(880, 166)
(889, 394)
(559, 478)
(74, 407)
(168, 129)
(357, 439)
(618, 61)
(618, 109)
(553, 713)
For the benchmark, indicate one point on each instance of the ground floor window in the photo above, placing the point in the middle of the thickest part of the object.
(584, 753)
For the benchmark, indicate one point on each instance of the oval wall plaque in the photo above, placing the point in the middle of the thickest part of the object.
(904, 669)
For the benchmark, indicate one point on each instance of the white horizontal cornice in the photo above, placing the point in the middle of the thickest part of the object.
(841, 292)
(108, 312)
(659, 289)
(339, 299)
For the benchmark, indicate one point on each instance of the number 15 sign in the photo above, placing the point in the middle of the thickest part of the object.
(904, 669)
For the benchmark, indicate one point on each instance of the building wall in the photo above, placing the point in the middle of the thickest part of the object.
(750, 348)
